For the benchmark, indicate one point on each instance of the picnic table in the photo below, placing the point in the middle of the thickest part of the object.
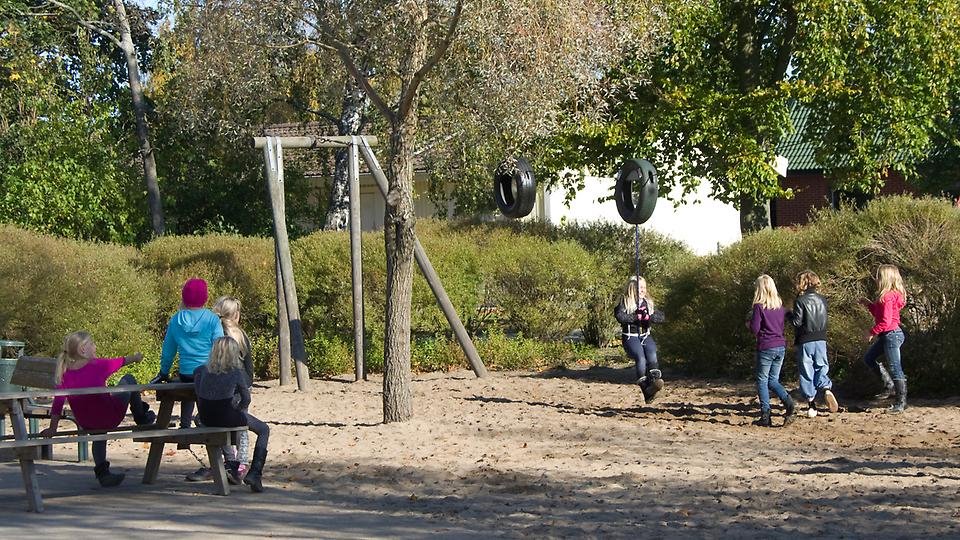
(25, 445)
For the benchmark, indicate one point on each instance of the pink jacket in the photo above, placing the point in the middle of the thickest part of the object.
(886, 312)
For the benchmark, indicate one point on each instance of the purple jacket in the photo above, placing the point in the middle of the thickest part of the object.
(767, 325)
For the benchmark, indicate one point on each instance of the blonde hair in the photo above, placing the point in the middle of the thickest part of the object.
(225, 356)
(766, 293)
(807, 280)
(228, 309)
(888, 279)
(631, 291)
(72, 352)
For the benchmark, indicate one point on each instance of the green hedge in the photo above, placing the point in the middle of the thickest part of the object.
(52, 287)
(708, 300)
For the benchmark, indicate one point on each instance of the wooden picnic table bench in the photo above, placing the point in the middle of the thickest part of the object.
(158, 434)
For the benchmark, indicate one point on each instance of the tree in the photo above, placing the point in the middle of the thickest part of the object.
(63, 163)
(111, 21)
(714, 103)
(407, 44)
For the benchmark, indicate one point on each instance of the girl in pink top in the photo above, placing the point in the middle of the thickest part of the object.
(886, 335)
(79, 367)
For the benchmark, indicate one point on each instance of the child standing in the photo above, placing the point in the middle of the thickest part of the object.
(79, 367)
(891, 296)
(766, 323)
(636, 313)
(809, 319)
(219, 384)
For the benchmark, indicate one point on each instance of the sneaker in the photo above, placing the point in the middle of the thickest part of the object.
(232, 469)
(242, 470)
(200, 475)
(831, 400)
(811, 413)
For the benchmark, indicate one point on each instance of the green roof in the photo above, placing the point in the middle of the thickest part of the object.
(798, 151)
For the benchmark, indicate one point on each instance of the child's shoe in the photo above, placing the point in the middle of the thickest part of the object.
(200, 475)
(233, 472)
(811, 409)
(831, 400)
(764, 420)
(107, 478)
(242, 470)
(791, 413)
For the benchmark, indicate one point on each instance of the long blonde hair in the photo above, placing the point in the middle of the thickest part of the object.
(766, 293)
(225, 356)
(73, 352)
(631, 292)
(888, 279)
(228, 309)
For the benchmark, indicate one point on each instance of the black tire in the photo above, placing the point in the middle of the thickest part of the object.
(636, 191)
(514, 188)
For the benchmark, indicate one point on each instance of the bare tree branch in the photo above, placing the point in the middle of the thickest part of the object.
(86, 23)
(406, 100)
(344, 51)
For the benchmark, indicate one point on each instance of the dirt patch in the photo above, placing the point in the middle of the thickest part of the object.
(577, 453)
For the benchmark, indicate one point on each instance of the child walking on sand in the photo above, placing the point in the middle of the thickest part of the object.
(891, 296)
(79, 367)
(766, 323)
(636, 313)
(809, 319)
(223, 398)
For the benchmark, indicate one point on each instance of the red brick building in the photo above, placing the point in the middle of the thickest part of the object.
(811, 188)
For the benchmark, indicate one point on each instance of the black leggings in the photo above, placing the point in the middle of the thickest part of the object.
(186, 407)
(221, 413)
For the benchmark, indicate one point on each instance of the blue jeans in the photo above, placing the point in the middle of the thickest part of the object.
(813, 366)
(643, 351)
(769, 362)
(887, 343)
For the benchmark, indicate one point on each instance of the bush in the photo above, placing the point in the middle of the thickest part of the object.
(710, 299)
(52, 287)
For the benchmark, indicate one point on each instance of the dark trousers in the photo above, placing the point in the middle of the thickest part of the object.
(186, 407)
(643, 351)
(261, 429)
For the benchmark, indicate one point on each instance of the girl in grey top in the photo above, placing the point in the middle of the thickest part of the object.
(222, 398)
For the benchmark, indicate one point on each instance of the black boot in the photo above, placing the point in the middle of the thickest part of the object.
(764, 420)
(233, 472)
(105, 477)
(900, 403)
(654, 384)
(791, 413)
(142, 415)
(255, 473)
(888, 389)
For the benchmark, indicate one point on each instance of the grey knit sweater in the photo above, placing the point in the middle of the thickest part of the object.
(219, 386)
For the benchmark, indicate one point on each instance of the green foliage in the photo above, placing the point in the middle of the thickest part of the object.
(709, 300)
(64, 156)
(713, 102)
(52, 287)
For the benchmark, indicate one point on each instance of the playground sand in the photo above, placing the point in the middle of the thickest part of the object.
(570, 453)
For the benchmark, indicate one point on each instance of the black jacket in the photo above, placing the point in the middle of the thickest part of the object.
(630, 321)
(809, 317)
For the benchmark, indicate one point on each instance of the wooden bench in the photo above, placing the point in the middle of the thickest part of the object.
(158, 434)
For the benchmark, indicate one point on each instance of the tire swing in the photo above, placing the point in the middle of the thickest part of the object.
(636, 191)
(514, 188)
(636, 194)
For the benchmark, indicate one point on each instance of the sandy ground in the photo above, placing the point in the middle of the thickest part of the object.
(557, 454)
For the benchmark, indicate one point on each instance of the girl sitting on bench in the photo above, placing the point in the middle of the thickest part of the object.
(79, 367)
(223, 398)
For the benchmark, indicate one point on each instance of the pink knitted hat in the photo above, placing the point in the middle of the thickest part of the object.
(194, 293)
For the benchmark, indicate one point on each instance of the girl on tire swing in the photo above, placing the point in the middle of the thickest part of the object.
(636, 313)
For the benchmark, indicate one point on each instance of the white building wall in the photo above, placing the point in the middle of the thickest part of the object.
(700, 222)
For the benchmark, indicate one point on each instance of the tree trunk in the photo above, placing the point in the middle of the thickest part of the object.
(354, 109)
(753, 216)
(139, 109)
(399, 237)
(400, 241)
